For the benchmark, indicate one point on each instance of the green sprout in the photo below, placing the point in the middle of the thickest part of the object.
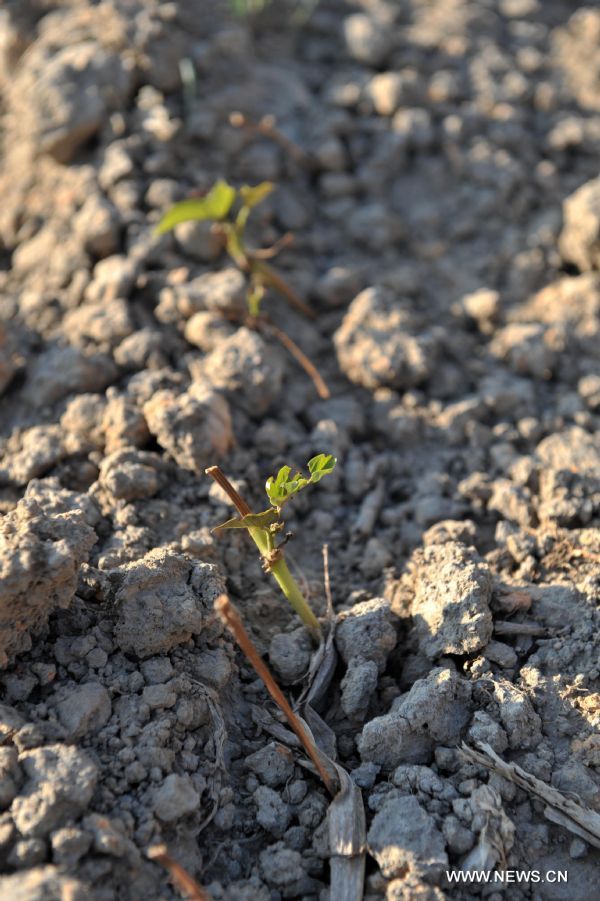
(248, 7)
(229, 208)
(264, 527)
(300, 9)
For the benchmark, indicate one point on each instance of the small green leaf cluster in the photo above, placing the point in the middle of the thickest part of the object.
(215, 205)
(218, 206)
(280, 489)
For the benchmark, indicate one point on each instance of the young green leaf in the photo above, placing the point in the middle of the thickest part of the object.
(281, 488)
(320, 466)
(263, 520)
(214, 205)
(275, 486)
(282, 476)
(252, 195)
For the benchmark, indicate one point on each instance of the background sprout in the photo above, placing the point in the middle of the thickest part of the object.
(229, 209)
(218, 206)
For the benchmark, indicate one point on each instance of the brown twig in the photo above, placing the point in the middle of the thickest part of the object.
(232, 620)
(185, 884)
(216, 473)
(299, 355)
(267, 127)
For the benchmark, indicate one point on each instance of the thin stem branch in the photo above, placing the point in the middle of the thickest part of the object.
(232, 620)
(267, 253)
(300, 357)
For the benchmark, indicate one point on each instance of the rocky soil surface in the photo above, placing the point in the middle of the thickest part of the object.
(446, 212)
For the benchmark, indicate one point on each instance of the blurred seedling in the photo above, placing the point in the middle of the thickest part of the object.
(264, 528)
(229, 209)
(298, 11)
(245, 8)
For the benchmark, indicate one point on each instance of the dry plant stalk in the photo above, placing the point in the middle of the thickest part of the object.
(185, 884)
(327, 582)
(560, 809)
(232, 620)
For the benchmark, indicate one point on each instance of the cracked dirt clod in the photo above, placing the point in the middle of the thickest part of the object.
(579, 241)
(84, 710)
(358, 686)
(175, 798)
(289, 654)
(194, 427)
(41, 883)
(60, 782)
(128, 474)
(217, 292)
(435, 710)
(247, 369)
(403, 835)
(273, 764)
(40, 554)
(569, 476)
(368, 628)
(61, 371)
(520, 721)
(377, 344)
(453, 588)
(162, 600)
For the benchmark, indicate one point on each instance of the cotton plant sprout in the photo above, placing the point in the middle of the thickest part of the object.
(229, 208)
(265, 527)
